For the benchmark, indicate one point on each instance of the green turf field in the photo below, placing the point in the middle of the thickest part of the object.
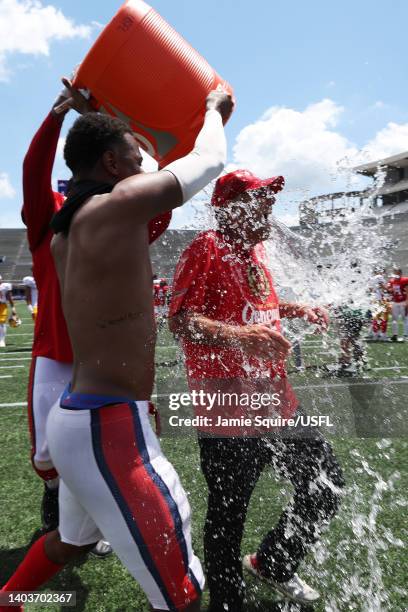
(361, 564)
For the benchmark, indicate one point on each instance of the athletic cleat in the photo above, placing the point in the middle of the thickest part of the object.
(394, 338)
(101, 550)
(295, 589)
(49, 509)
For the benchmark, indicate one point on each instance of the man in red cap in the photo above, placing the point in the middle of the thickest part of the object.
(226, 311)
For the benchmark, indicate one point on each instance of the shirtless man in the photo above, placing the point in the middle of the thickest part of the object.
(115, 480)
(51, 364)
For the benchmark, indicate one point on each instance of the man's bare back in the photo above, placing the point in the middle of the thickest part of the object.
(102, 252)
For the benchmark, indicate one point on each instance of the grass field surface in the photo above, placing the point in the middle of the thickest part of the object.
(361, 563)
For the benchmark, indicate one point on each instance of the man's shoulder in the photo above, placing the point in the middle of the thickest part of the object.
(91, 211)
(201, 244)
(197, 257)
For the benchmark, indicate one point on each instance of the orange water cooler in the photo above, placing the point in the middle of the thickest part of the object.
(141, 70)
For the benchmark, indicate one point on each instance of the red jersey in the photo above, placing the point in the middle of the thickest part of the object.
(234, 287)
(160, 295)
(398, 288)
(40, 203)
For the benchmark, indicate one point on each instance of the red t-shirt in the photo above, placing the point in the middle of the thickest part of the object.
(233, 287)
(160, 295)
(398, 288)
(40, 203)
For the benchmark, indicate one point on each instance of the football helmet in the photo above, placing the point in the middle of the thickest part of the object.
(14, 321)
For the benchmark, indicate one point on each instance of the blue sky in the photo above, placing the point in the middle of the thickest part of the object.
(320, 86)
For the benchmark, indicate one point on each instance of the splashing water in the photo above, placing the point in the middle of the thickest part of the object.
(332, 264)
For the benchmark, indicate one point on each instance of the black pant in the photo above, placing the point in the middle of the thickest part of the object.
(232, 467)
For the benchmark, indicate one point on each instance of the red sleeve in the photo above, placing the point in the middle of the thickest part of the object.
(40, 201)
(158, 225)
(190, 278)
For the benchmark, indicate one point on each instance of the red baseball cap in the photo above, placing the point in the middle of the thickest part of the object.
(231, 185)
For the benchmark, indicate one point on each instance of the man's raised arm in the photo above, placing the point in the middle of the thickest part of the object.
(40, 201)
(147, 195)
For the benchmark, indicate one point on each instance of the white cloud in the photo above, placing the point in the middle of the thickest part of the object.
(389, 141)
(6, 188)
(301, 145)
(308, 148)
(28, 26)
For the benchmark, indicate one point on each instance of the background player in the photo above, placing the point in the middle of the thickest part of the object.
(380, 306)
(31, 295)
(160, 299)
(6, 297)
(398, 289)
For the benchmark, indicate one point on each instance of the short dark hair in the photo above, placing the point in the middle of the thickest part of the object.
(90, 136)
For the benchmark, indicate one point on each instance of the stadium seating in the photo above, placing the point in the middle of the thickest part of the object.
(166, 250)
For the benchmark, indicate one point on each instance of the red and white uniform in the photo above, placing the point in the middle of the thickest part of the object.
(117, 485)
(398, 288)
(160, 298)
(52, 354)
(234, 287)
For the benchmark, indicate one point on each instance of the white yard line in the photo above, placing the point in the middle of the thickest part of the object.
(11, 367)
(348, 384)
(14, 405)
(15, 335)
(168, 347)
(14, 358)
(392, 368)
(12, 353)
(7, 376)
